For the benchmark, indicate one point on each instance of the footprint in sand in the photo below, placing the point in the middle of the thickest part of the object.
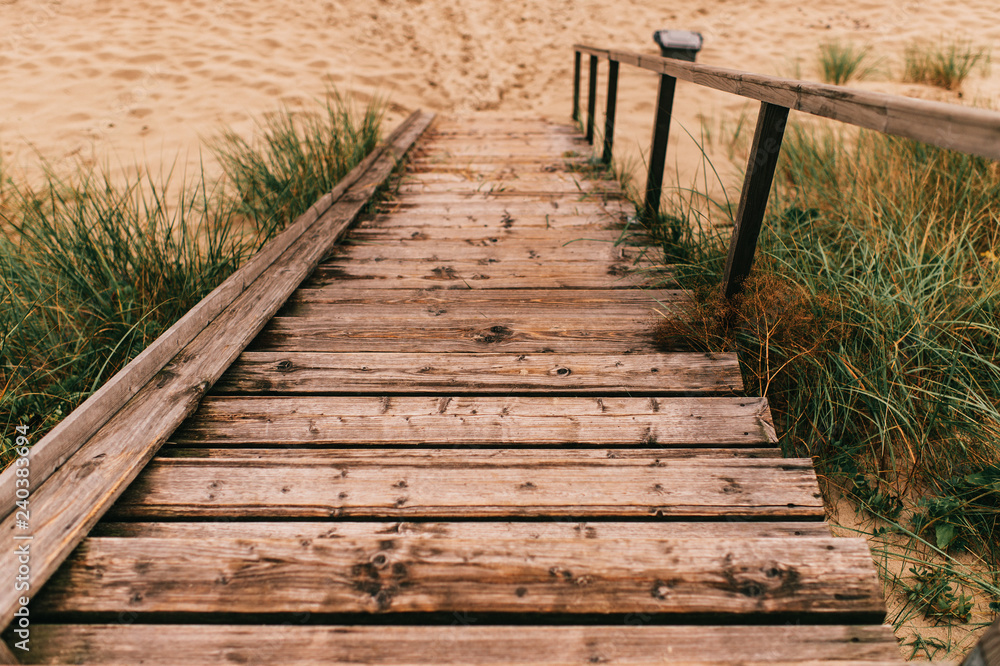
(128, 74)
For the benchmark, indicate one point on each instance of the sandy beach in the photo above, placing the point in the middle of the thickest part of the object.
(144, 83)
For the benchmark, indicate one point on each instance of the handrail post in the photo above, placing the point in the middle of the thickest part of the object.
(576, 85)
(592, 99)
(609, 113)
(763, 159)
(658, 148)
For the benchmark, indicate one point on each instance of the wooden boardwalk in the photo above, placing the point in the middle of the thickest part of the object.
(456, 443)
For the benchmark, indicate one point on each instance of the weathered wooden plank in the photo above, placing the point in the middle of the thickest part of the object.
(409, 274)
(482, 420)
(474, 131)
(493, 249)
(465, 182)
(811, 576)
(594, 300)
(304, 372)
(72, 432)
(303, 484)
(534, 173)
(606, 317)
(566, 198)
(6, 654)
(497, 220)
(528, 531)
(78, 493)
(464, 642)
(543, 152)
(501, 335)
(508, 126)
(426, 230)
(546, 147)
(489, 163)
(459, 455)
(610, 210)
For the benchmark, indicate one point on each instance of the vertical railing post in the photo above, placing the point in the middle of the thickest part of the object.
(609, 113)
(576, 85)
(592, 99)
(753, 201)
(658, 149)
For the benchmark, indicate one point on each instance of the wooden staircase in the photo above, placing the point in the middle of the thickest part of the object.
(457, 444)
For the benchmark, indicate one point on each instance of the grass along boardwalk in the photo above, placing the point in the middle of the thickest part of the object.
(455, 442)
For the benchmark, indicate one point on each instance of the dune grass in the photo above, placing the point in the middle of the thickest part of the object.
(842, 62)
(293, 160)
(872, 324)
(93, 269)
(946, 64)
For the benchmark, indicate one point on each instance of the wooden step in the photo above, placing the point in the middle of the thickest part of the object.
(563, 199)
(512, 207)
(594, 301)
(494, 249)
(479, 421)
(554, 528)
(748, 577)
(274, 483)
(452, 274)
(461, 187)
(481, 235)
(464, 641)
(567, 315)
(499, 334)
(642, 374)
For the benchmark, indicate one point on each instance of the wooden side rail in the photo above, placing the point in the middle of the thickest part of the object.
(965, 129)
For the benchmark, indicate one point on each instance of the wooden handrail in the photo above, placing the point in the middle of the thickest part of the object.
(964, 129)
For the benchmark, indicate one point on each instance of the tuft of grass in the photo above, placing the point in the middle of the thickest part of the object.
(293, 159)
(839, 63)
(93, 269)
(931, 592)
(945, 65)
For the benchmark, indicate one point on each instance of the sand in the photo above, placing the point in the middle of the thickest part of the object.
(145, 82)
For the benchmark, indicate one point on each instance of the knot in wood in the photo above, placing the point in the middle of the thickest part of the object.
(380, 560)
